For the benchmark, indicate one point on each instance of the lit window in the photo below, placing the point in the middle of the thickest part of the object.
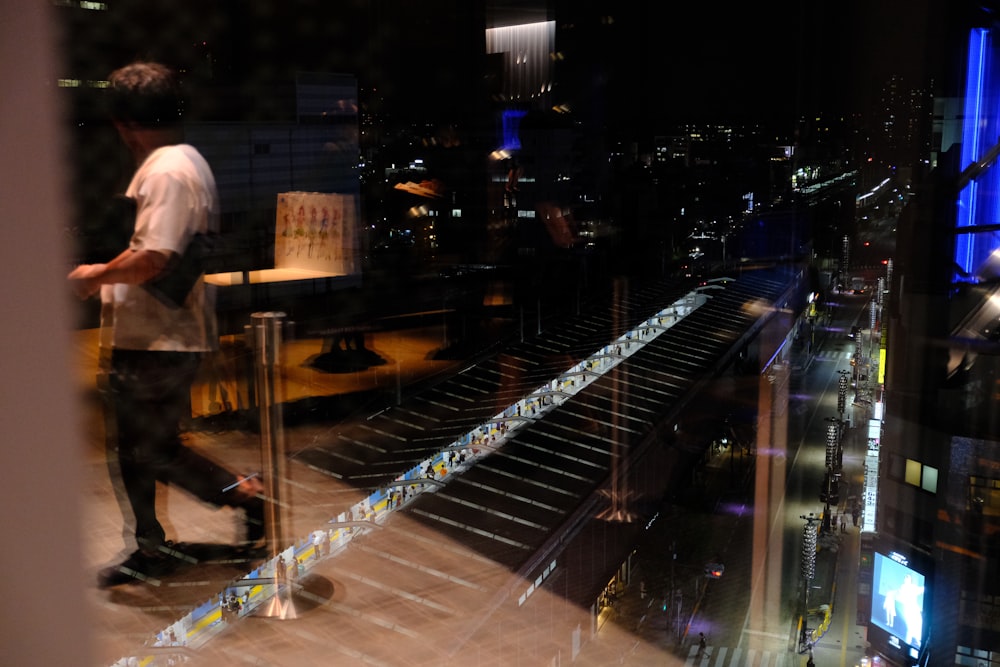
(929, 479)
(912, 472)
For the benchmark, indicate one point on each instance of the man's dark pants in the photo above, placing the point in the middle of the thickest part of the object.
(148, 395)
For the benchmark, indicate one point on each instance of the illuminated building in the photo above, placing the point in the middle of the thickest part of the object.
(937, 515)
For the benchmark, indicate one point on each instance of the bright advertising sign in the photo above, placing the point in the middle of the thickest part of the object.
(898, 599)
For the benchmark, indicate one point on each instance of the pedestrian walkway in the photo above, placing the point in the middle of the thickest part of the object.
(724, 656)
(831, 356)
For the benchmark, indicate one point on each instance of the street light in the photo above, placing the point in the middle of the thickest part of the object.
(842, 393)
(829, 491)
(808, 565)
(832, 437)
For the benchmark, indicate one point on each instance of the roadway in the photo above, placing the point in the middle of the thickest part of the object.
(717, 521)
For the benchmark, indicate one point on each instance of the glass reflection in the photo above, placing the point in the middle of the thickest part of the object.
(565, 376)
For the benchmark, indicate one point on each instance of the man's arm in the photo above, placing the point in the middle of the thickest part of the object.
(132, 267)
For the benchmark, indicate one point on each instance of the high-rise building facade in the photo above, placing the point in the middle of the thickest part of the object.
(932, 548)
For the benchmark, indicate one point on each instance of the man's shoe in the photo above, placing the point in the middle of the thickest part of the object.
(141, 566)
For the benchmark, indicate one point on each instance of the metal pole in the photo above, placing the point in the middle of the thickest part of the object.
(266, 328)
(674, 609)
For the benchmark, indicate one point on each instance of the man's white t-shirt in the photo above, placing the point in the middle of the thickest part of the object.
(176, 198)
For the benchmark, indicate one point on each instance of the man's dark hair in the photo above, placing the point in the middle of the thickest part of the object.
(146, 94)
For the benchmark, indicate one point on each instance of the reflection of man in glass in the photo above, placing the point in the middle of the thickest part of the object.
(152, 350)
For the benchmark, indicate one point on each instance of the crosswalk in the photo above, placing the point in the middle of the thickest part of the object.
(722, 656)
(831, 355)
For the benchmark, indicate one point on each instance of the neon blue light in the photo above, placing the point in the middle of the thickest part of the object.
(979, 202)
(511, 123)
(975, 74)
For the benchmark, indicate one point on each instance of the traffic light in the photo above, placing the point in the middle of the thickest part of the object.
(714, 570)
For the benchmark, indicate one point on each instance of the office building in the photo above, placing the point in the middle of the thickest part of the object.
(932, 547)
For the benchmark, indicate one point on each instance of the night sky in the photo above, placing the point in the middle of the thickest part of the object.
(684, 61)
(783, 56)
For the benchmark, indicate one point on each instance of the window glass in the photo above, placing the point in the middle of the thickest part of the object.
(912, 472)
(929, 479)
(385, 315)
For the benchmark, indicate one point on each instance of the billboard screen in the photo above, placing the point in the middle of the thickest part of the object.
(898, 599)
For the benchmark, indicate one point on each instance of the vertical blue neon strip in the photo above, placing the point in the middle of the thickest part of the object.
(511, 120)
(979, 39)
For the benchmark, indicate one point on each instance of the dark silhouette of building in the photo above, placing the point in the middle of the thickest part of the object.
(937, 515)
